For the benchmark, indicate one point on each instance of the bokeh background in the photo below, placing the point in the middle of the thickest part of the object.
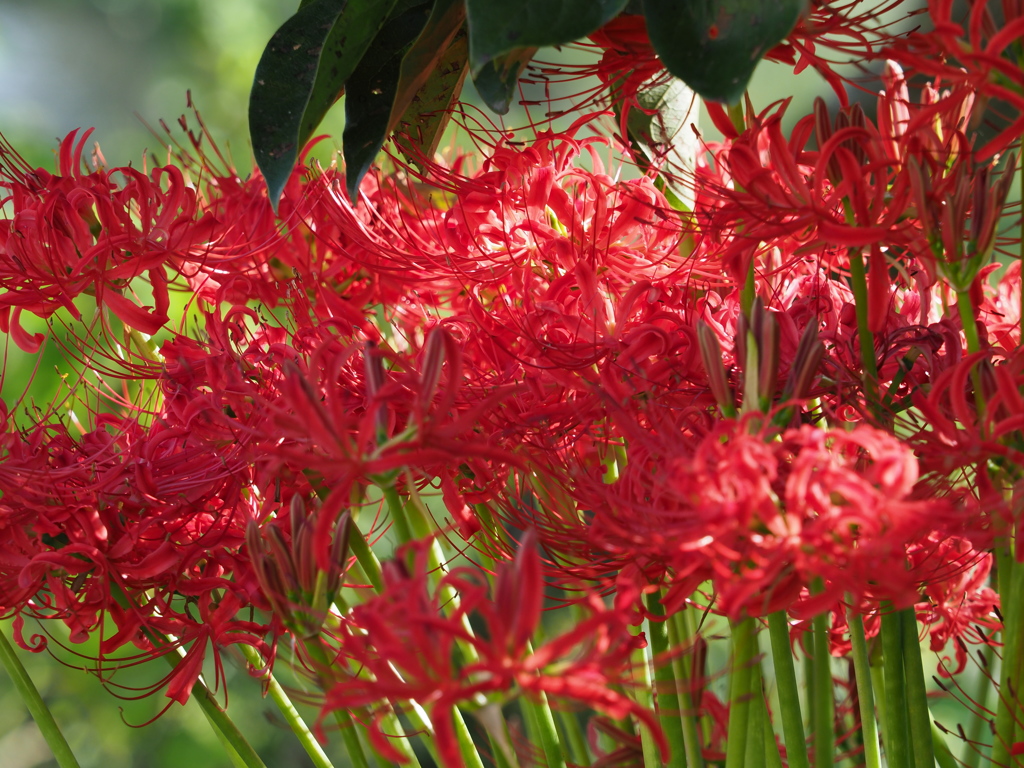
(118, 65)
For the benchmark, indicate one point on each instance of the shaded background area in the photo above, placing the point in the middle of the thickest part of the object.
(110, 64)
(68, 64)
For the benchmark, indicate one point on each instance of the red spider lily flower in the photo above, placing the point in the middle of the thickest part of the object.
(400, 646)
(960, 607)
(972, 435)
(850, 31)
(947, 200)
(762, 519)
(88, 233)
(781, 193)
(137, 526)
(978, 58)
(289, 572)
(1000, 309)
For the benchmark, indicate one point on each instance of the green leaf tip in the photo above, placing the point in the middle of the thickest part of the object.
(715, 45)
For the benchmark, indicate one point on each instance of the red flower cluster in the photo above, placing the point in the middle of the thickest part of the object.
(805, 392)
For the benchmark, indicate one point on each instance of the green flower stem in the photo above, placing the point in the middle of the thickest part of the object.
(416, 714)
(859, 287)
(771, 745)
(493, 721)
(665, 684)
(365, 557)
(757, 746)
(349, 734)
(970, 324)
(788, 691)
(896, 745)
(574, 737)
(411, 522)
(36, 706)
(968, 321)
(823, 714)
(291, 715)
(541, 722)
(422, 726)
(878, 684)
(679, 636)
(420, 524)
(241, 752)
(756, 757)
(865, 690)
(943, 754)
(920, 720)
(703, 718)
(470, 754)
(399, 518)
(643, 694)
(744, 650)
(972, 753)
(1008, 711)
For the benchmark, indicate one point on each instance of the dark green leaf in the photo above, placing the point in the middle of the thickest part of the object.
(496, 80)
(665, 109)
(659, 129)
(419, 129)
(423, 59)
(715, 45)
(498, 27)
(371, 91)
(301, 74)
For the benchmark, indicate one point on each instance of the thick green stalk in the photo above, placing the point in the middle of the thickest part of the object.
(749, 292)
(1008, 711)
(470, 754)
(758, 725)
(665, 684)
(288, 711)
(788, 691)
(493, 721)
(878, 684)
(865, 690)
(418, 522)
(823, 714)
(546, 732)
(756, 757)
(574, 737)
(771, 746)
(399, 517)
(943, 754)
(744, 649)
(680, 638)
(968, 321)
(643, 694)
(897, 746)
(36, 706)
(859, 288)
(241, 752)
(542, 723)
(365, 557)
(972, 752)
(920, 720)
(349, 734)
